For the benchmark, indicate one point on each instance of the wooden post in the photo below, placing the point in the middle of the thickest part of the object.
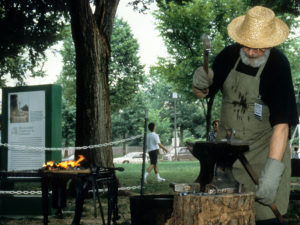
(226, 209)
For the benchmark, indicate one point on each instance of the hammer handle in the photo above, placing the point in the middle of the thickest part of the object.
(205, 61)
(254, 177)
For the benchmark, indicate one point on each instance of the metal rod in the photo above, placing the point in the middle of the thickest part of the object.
(144, 152)
(94, 196)
(95, 189)
(175, 130)
(254, 177)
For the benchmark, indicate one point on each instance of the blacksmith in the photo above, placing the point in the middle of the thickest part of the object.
(258, 102)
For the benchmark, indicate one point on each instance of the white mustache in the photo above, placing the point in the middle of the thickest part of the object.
(254, 61)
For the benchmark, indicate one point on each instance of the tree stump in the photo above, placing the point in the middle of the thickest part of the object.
(225, 209)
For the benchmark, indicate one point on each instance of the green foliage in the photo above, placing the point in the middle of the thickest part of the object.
(125, 71)
(182, 27)
(279, 6)
(28, 28)
(67, 77)
(129, 121)
(291, 49)
(68, 123)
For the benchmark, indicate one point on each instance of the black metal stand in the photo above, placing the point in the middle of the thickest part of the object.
(83, 183)
(45, 191)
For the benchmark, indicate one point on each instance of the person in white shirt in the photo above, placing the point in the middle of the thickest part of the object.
(153, 144)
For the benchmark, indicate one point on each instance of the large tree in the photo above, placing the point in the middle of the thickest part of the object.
(125, 75)
(92, 24)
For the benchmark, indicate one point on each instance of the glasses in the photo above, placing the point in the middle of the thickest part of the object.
(256, 50)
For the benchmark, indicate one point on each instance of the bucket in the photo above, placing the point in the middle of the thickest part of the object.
(151, 209)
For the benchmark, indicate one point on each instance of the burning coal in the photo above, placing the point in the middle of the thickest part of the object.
(64, 165)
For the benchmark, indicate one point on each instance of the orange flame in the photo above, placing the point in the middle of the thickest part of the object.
(65, 164)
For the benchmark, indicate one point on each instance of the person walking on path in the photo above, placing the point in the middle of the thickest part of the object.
(153, 145)
(258, 102)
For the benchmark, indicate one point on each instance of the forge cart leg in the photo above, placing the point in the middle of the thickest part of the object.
(59, 193)
(113, 202)
(81, 188)
(45, 199)
(99, 201)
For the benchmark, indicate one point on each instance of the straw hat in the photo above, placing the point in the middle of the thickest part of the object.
(259, 28)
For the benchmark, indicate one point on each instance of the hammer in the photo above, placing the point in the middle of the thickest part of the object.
(206, 50)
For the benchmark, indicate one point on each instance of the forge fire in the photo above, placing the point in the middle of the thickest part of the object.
(64, 165)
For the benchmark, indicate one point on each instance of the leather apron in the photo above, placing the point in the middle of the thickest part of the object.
(240, 93)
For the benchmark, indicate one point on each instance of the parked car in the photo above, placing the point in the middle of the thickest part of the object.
(132, 157)
(183, 153)
(68, 158)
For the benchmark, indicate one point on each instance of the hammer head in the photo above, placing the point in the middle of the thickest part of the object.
(206, 42)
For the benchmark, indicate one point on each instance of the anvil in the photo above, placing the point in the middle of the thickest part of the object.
(216, 160)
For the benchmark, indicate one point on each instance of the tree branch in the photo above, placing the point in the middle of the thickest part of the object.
(104, 15)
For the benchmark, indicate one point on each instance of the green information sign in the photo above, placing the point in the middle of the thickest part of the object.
(31, 116)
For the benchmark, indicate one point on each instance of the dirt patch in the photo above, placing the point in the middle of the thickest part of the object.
(86, 219)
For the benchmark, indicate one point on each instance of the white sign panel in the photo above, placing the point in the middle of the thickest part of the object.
(26, 127)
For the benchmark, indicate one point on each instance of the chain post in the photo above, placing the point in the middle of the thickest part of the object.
(144, 153)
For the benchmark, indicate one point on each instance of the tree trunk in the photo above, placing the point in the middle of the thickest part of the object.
(230, 209)
(91, 34)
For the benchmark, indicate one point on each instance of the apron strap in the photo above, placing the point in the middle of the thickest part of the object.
(236, 63)
(261, 68)
(259, 72)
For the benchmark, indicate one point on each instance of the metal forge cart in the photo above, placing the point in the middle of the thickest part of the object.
(83, 180)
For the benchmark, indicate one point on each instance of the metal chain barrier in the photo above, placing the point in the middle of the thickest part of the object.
(24, 147)
(20, 192)
(120, 188)
(40, 192)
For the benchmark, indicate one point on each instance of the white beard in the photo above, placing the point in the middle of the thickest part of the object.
(254, 62)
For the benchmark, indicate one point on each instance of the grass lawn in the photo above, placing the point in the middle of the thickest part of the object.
(178, 172)
(181, 172)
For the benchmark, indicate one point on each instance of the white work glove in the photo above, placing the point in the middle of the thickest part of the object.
(269, 180)
(201, 79)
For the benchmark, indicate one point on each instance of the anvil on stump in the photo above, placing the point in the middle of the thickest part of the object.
(216, 160)
(220, 200)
